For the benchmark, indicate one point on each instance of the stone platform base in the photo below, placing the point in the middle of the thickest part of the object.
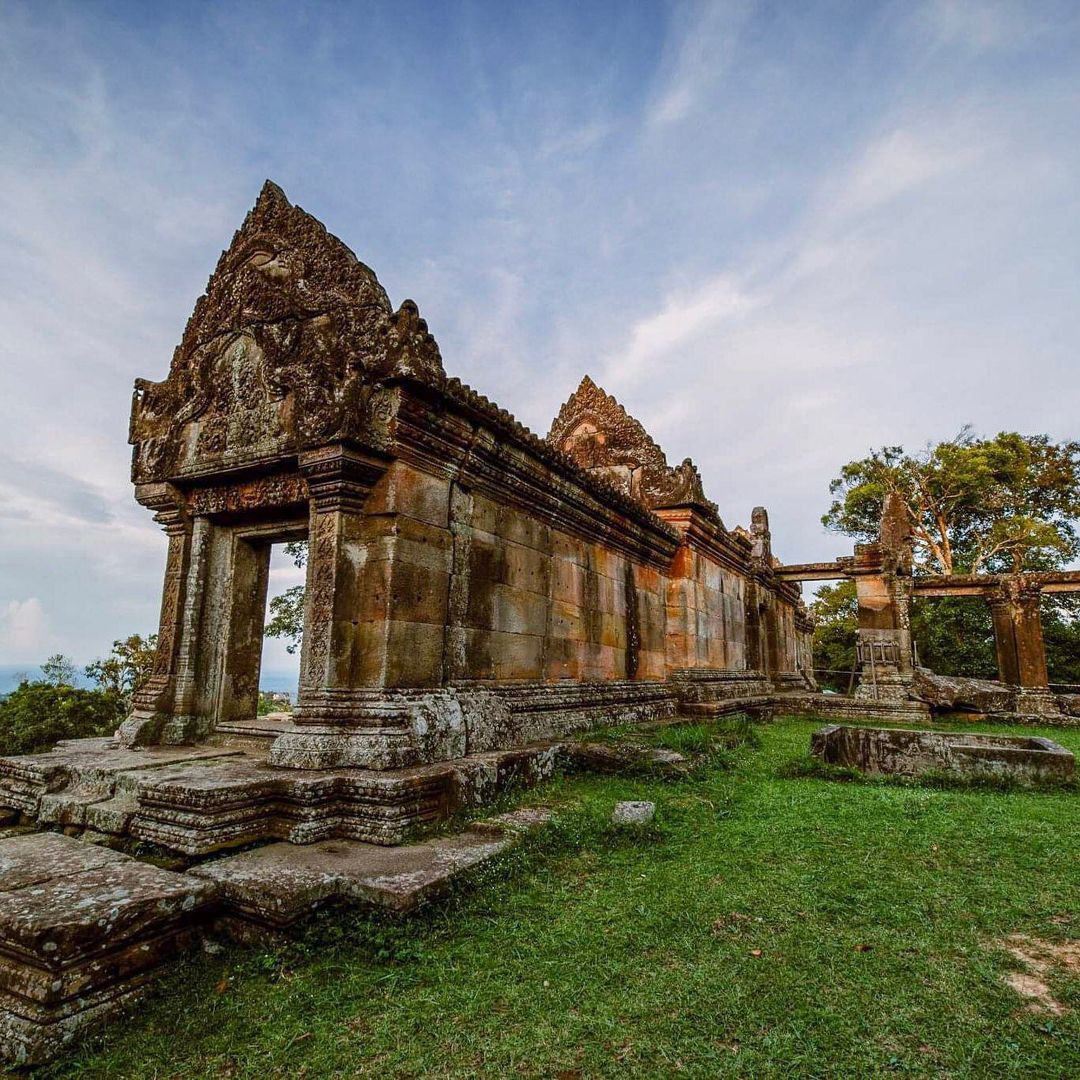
(276, 886)
(196, 800)
(229, 791)
(82, 929)
(393, 729)
(836, 706)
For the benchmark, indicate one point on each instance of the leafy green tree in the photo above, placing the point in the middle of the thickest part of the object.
(954, 635)
(59, 670)
(836, 611)
(127, 667)
(36, 715)
(999, 505)
(287, 610)
(1061, 634)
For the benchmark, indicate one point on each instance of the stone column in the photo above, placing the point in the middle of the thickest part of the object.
(370, 675)
(1018, 640)
(332, 654)
(882, 573)
(154, 705)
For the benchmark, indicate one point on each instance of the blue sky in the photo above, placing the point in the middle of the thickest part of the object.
(779, 233)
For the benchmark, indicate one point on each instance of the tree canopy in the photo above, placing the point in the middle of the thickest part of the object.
(1000, 505)
(127, 667)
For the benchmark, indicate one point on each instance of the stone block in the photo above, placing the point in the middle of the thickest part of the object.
(902, 752)
(492, 654)
(414, 653)
(82, 929)
(277, 885)
(403, 489)
(967, 695)
(633, 813)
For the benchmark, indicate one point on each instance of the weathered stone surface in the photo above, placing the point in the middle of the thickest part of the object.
(275, 886)
(948, 693)
(622, 757)
(1069, 704)
(633, 813)
(910, 753)
(196, 800)
(82, 928)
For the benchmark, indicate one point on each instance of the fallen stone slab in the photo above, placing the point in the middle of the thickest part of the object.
(82, 930)
(1018, 758)
(954, 694)
(276, 886)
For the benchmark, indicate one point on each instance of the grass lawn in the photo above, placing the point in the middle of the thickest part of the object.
(767, 926)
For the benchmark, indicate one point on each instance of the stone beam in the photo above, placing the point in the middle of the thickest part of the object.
(987, 584)
(814, 571)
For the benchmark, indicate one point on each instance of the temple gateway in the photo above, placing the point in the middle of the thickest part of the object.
(470, 587)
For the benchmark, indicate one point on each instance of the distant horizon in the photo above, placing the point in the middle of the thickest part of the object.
(269, 681)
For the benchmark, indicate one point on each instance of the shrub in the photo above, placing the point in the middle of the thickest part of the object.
(38, 715)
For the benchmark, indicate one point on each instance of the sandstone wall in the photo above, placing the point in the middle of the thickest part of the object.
(457, 587)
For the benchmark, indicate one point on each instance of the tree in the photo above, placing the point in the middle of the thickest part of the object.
(34, 717)
(127, 667)
(59, 670)
(1000, 505)
(1006, 504)
(287, 610)
(836, 613)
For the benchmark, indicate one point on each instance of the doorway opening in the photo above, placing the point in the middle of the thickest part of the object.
(279, 671)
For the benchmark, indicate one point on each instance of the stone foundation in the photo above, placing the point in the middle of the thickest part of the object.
(82, 929)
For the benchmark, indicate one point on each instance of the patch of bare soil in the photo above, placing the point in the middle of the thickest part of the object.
(1040, 957)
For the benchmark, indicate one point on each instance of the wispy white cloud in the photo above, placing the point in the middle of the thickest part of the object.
(23, 630)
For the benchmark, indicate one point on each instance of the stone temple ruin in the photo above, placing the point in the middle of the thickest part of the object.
(475, 595)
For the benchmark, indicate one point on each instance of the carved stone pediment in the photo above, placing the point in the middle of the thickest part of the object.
(283, 352)
(601, 436)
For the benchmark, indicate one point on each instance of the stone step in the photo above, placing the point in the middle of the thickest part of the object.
(274, 887)
(197, 800)
(82, 930)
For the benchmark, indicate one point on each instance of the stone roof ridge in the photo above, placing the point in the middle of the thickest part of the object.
(591, 394)
(550, 453)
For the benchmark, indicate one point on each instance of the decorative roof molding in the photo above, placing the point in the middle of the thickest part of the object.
(604, 439)
(282, 352)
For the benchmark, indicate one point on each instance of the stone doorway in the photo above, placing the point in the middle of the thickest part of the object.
(235, 618)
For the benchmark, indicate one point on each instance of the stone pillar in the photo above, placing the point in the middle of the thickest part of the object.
(332, 655)
(882, 573)
(210, 634)
(1018, 640)
(370, 668)
(154, 705)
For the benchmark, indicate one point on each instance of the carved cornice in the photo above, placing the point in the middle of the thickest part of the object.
(459, 434)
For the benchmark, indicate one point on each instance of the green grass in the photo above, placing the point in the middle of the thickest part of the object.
(598, 952)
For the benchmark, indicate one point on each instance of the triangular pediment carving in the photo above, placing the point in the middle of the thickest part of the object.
(284, 351)
(601, 436)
